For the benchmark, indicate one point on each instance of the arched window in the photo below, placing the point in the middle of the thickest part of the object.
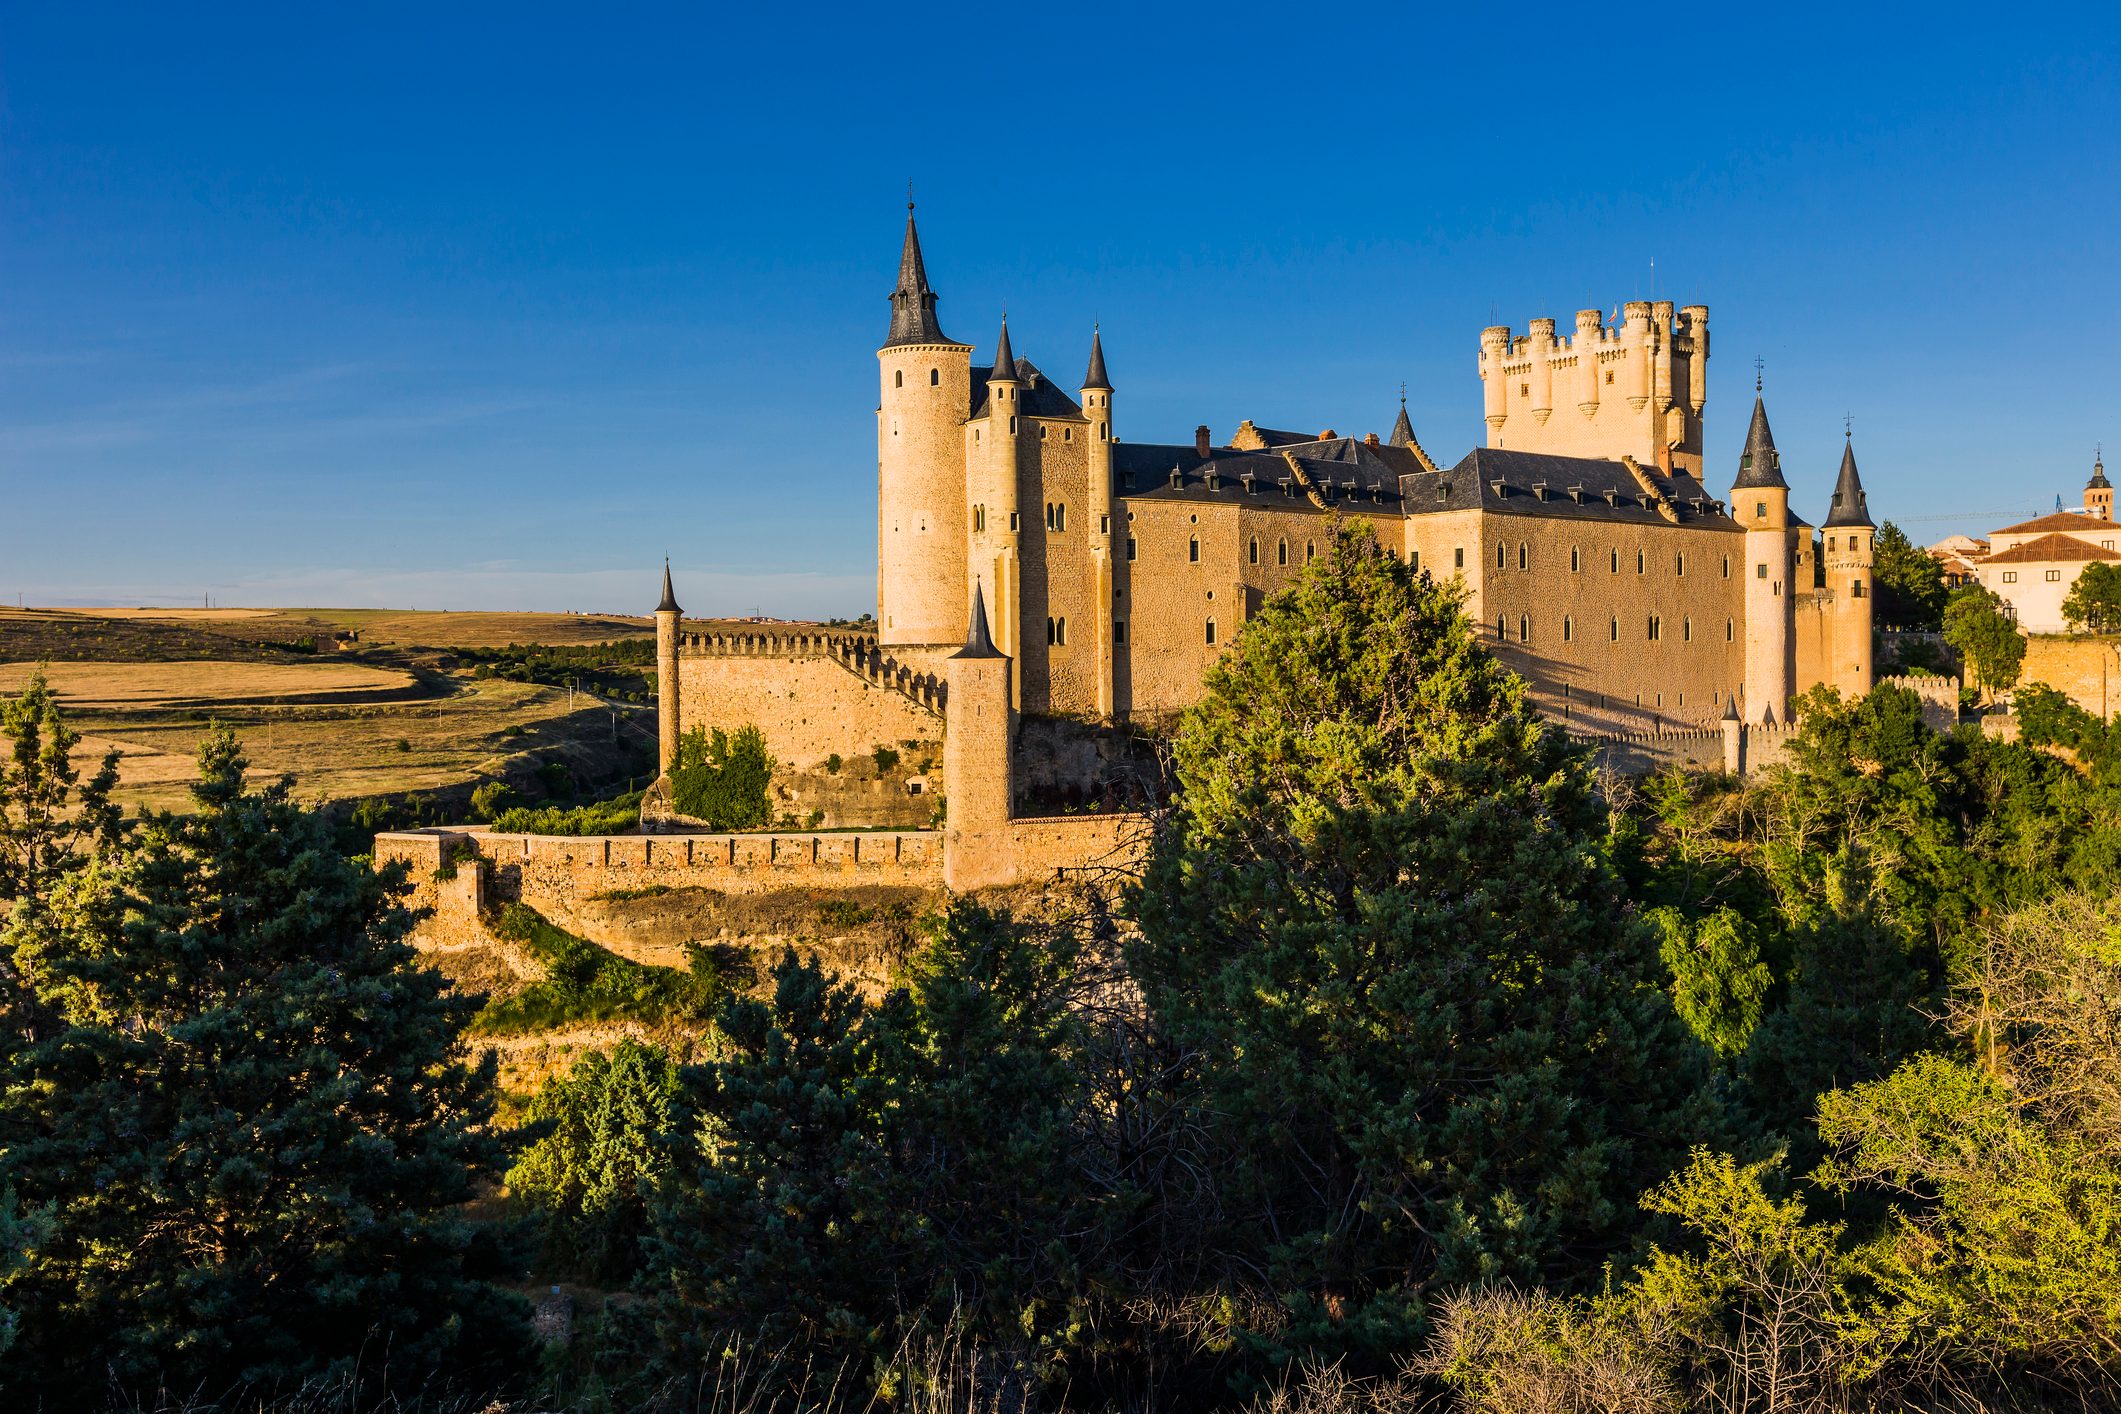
(1575, 560)
(979, 517)
(1730, 631)
(1616, 562)
(898, 379)
(1193, 549)
(1281, 551)
(1310, 551)
(1568, 631)
(1501, 551)
(935, 377)
(1502, 627)
(1641, 562)
(1252, 551)
(1679, 564)
(1524, 628)
(1616, 628)
(1524, 555)
(1211, 631)
(1656, 628)
(1726, 566)
(1686, 630)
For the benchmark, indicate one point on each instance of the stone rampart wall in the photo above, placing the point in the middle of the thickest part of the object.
(809, 706)
(556, 874)
(2082, 667)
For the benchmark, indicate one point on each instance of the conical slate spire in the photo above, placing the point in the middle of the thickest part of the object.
(1096, 378)
(978, 642)
(1004, 360)
(913, 303)
(1761, 465)
(1849, 507)
(1402, 430)
(670, 600)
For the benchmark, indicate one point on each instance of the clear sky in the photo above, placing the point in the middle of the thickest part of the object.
(456, 306)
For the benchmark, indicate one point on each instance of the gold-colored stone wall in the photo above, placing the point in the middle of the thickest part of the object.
(809, 708)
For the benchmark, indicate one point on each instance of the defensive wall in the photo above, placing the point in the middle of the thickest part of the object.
(813, 695)
(2086, 668)
(1740, 749)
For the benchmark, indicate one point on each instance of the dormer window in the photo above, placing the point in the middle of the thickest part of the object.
(1500, 488)
(1576, 494)
(1248, 478)
(1178, 479)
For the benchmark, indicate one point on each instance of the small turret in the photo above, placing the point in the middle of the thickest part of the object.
(1095, 378)
(1004, 359)
(2099, 492)
(1849, 550)
(1097, 466)
(1760, 500)
(1402, 430)
(667, 619)
(978, 848)
(1761, 465)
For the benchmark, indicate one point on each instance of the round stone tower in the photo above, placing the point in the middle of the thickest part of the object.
(1097, 411)
(1760, 500)
(1849, 536)
(668, 728)
(926, 380)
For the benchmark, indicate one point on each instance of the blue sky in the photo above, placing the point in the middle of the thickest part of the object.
(491, 307)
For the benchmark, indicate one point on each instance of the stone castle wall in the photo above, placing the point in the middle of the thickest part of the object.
(812, 695)
(2082, 667)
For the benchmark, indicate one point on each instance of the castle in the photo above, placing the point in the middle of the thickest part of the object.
(1100, 577)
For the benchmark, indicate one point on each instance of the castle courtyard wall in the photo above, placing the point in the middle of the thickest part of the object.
(809, 707)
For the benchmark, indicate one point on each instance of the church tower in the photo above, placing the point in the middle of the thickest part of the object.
(1849, 537)
(2099, 492)
(926, 377)
(1097, 412)
(1760, 499)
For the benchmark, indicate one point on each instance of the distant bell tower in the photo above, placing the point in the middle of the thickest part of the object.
(1760, 500)
(926, 380)
(2099, 492)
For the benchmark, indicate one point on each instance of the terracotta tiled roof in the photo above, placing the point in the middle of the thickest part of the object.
(2051, 549)
(2065, 521)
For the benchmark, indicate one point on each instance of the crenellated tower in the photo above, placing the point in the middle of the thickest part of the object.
(1637, 389)
(926, 379)
(1850, 534)
(1096, 394)
(1760, 501)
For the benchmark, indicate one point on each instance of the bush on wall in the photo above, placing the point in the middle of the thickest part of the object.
(721, 778)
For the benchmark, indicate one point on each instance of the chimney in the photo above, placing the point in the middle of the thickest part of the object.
(1369, 439)
(1328, 435)
(1201, 443)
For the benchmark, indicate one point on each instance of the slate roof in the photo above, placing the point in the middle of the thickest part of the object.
(913, 303)
(2051, 549)
(1036, 394)
(2065, 522)
(1096, 378)
(1849, 507)
(1344, 471)
(1565, 488)
(1761, 464)
(670, 599)
(979, 643)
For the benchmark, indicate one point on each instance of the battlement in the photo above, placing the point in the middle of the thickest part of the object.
(1637, 387)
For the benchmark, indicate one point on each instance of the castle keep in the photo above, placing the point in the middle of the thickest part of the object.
(1101, 576)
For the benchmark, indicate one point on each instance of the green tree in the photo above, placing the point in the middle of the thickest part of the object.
(1719, 983)
(1911, 592)
(49, 817)
(866, 1172)
(722, 779)
(1985, 637)
(2094, 601)
(1431, 1044)
(603, 1148)
(252, 1132)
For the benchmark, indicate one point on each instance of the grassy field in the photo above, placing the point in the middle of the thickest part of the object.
(383, 719)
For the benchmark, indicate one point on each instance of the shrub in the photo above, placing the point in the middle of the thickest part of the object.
(722, 778)
(611, 817)
(833, 764)
(886, 758)
(584, 982)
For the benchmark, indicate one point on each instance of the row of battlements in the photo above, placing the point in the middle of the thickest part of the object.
(1640, 321)
(710, 860)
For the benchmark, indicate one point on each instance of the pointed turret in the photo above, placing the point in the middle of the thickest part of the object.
(2099, 481)
(1848, 507)
(1004, 359)
(1096, 378)
(670, 599)
(978, 642)
(1402, 430)
(1761, 465)
(913, 303)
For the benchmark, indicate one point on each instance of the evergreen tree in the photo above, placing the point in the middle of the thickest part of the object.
(589, 1175)
(49, 817)
(1430, 1040)
(252, 1129)
(1910, 586)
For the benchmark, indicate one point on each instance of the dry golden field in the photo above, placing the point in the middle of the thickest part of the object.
(210, 683)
